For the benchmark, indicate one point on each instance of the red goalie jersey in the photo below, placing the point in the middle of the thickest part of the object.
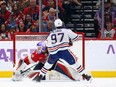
(35, 57)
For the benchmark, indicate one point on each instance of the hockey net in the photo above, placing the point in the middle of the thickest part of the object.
(25, 44)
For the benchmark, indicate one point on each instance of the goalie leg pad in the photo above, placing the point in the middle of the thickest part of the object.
(64, 68)
(21, 66)
(17, 75)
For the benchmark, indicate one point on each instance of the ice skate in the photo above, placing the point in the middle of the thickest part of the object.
(39, 78)
(87, 77)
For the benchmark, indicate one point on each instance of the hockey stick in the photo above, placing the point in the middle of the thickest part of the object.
(28, 69)
(22, 72)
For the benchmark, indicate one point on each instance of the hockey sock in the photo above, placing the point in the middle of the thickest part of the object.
(43, 71)
(78, 67)
(45, 68)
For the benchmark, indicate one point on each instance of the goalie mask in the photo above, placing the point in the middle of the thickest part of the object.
(41, 46)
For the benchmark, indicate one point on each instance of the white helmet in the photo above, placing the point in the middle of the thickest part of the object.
(58, 23)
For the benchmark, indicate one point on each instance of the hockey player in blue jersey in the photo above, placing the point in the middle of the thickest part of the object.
(58, 47)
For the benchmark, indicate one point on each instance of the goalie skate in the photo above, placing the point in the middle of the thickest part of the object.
(87, 77)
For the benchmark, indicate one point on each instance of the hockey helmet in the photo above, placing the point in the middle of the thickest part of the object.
(58, 23)
(42, 45)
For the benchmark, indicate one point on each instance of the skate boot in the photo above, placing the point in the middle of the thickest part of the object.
(87, 77)
(39, 78)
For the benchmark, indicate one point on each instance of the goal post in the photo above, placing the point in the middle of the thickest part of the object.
(25, 44)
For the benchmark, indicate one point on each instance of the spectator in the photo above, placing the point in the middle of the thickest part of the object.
(22, 3)
(32, 10)
(48, 27)
(4, 13)
(15, 17)
(52, 4)
(43, 1)
(109, 9)
(51, 15)
(4, 32)
(21, 27)
(17, 12)
(30, 24)
(45, 13)
(11, 23)
(8, 4)
(109, 31)
(60, 2)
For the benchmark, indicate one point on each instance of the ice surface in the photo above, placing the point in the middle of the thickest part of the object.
(96, 82)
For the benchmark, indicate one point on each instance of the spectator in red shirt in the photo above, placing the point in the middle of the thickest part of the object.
(17, 13)
(4, 13)
(33, 10)
(43, 3)
(109, 31)
(52, 4)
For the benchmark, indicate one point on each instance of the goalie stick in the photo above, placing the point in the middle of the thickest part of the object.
(28, 69)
